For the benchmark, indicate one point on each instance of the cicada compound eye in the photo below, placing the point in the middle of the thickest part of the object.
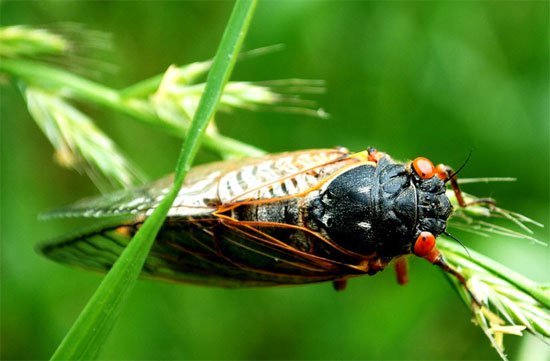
(424, 167)
(424, 244)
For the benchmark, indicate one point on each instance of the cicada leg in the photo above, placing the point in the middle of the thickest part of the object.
(437, 259)
(374, 155)
(425, 247)
(370, 266)
(340, 285)
(401, 271)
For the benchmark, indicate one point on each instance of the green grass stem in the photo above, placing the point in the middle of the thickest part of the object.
(35, 72)
(521, 282)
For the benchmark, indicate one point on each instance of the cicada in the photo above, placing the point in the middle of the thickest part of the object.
(290, 218)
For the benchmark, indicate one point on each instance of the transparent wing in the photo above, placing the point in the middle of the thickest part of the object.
(210, 185)
(280, 175)
(205, 251)
(125, 202)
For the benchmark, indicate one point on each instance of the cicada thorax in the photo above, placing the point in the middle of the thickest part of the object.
(382, 208)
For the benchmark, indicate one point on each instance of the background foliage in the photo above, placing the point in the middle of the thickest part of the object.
(412, 79)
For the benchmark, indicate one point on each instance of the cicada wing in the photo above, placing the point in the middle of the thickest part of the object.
(208, 185)
(279, 175)
(194, 245)
(195, 197)
(95, 248)
(231, 254)
(205, 251)
(127, 202)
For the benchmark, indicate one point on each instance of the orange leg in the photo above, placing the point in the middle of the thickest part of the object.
(446, 173)
(437, 259)
(374, 155)
(339, 285)
(401, 271)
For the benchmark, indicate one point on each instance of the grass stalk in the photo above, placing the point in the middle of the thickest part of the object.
(87, 90)
(517, 280)
(90, 331)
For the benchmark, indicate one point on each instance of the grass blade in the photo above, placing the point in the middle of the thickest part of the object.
(88, 334)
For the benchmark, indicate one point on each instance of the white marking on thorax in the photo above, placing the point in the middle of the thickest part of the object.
(325, 219)
(365, 225)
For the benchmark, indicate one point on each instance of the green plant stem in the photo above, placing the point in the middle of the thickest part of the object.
(149, 85)
(143, 87)
(519, 281)
(34, 72)
(218, 76)
(89, 332)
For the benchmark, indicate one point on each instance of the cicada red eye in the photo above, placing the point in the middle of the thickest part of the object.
(424, 167)
(424, 244)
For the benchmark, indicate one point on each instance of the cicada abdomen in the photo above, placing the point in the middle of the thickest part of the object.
(291, 218)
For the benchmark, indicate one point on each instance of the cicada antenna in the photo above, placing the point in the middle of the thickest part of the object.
(459, 242)
(448, 175)
(454, 173)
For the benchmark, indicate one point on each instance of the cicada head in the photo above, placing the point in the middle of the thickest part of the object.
(386, 208)
(433, 206)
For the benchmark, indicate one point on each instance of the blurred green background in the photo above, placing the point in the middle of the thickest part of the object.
(411, 78)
